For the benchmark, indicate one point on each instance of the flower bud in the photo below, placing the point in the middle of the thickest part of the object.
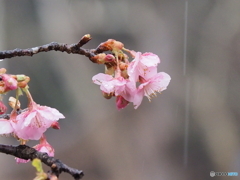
(109, 58)
(55, 125)
(3, 70)
(13, 102)
(107, 95)
(99, 58)
(111, 45)
(10, 82)
(121, 102)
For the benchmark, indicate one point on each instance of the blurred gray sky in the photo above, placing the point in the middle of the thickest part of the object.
(192, 128)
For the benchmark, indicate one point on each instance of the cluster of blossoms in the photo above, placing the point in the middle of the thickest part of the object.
(129, 81)
(29, 123)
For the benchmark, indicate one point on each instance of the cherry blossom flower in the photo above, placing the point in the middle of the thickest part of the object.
(141, 64)
(149, 87)
(31, 124)
(141, 71)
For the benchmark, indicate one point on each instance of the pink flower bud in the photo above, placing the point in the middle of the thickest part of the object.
(55, 125)
(10, 82)
(121, 102)
(109, 58)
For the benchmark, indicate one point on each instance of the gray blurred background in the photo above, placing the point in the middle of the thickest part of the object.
(192, 128)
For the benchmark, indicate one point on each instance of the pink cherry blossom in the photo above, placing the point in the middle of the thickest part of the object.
(31, 124)
(141, 63)
(125, 88)
(141, 70)
(149, 87)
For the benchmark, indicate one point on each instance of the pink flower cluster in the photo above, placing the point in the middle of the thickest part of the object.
(139, 79)
(30, 123)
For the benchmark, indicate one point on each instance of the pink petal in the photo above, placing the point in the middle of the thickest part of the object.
(18, 160)
(105, 81)
(44, 146)
(156, 84)
(149, 73)
(98, 78)
(121, 102)
(138, 98)
(149, 59)
(143, 64)
(27, 116)
(5, 126)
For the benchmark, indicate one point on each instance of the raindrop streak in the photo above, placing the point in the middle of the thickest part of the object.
(186, 125)
(187, 95)
(185, 39)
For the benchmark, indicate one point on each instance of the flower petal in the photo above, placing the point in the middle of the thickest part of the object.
(5, 126)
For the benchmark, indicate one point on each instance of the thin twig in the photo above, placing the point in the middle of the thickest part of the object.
(26, 152)
(54, 46)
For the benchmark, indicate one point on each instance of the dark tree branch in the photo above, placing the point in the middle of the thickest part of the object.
(7, 116)
(26, 152)
(54, 46)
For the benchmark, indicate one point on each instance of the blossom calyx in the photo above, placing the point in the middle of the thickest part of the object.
(111, 45)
